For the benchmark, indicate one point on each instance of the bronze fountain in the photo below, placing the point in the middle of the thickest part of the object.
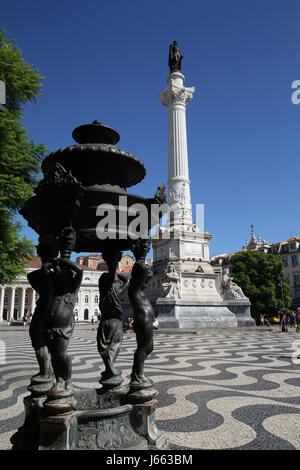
(83, 183)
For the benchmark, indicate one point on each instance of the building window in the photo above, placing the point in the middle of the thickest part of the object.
(285, 261)
(26, 299)
(296, 279)
(86, 299)
(294, 260)
(16, 298)
(96, 299)
(86, 314)
(6, 299)
(76, 312)
(293, 246)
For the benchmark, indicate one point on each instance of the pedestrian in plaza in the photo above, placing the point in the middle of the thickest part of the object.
(155, 324)
(292, 319)
(297, 319)
(129, 324)
(280, 313)
(266, 322)
(25, 320)
(283, 323)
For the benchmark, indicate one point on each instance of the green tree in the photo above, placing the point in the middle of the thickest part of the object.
(262, 279)
(20, 157)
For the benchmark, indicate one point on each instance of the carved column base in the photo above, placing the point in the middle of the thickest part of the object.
(40, 385)
(141, 392)
(28, 435)
(60, 400)
(57, 407)
(112, 381)
(145, 416)
(58, 432)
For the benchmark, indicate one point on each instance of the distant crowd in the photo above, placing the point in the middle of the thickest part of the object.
(129, 324)
(284, 320)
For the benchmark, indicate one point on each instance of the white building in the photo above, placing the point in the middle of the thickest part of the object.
(19, 297)
(287, 250)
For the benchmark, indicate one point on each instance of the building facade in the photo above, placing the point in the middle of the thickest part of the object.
(20, 298)
(287, 250)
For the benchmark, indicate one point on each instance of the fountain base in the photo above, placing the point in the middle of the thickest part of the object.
(102, 420)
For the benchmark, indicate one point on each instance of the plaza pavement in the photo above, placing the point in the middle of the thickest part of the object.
(235, 388)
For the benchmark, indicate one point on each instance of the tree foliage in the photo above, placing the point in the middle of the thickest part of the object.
(20, 157)
(262, 279)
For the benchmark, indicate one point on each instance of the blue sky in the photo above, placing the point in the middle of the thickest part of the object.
(109, 60)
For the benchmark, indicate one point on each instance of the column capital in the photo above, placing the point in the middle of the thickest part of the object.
(176, 93)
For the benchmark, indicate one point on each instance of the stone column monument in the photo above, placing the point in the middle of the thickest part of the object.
(186, 290)
(175, 98)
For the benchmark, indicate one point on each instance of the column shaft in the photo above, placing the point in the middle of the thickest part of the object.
(12, 303)
(177, 143)
(33, 299)
(2, 302)
(22, 310)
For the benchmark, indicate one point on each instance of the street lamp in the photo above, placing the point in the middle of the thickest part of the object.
(280, 279)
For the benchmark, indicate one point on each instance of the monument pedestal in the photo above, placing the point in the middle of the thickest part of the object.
(187, 291)
(194, 314)
(102, 420)
(241, 309)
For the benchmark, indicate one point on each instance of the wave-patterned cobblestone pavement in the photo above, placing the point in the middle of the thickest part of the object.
(217, 390)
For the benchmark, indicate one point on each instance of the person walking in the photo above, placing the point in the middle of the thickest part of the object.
(280, 319)
(25, 320)
(297, 319)
(284, 322)
(292, 319)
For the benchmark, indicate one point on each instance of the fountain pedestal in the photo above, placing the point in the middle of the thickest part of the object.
(100, 421)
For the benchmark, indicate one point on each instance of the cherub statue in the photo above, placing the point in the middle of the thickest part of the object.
(63, 278)
(112, 288)
(143, 314)
(41, 382)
